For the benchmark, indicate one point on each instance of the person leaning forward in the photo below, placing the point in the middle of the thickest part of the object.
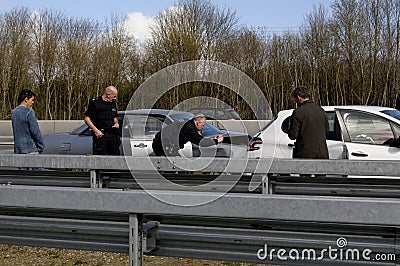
(173, 137)
(309, 127)
(101, 117)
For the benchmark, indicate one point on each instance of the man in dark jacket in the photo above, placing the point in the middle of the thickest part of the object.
(101, 117)
(309, 127)
(173, 137)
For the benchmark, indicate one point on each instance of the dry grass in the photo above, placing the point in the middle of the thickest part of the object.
(33, 256)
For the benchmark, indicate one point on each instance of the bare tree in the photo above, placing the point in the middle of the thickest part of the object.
(320, 56)
(349, 57)
(15, 54)
(47, 34)
(76, 64)
(390, 52)
(193, 30)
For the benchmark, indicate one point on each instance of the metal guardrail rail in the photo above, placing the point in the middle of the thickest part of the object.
(273, 184)
(216, 165)
(268, 176)
(91, 202)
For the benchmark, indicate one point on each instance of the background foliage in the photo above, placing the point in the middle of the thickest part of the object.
(350, 55)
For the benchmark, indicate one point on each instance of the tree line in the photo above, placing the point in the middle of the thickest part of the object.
(349, 54)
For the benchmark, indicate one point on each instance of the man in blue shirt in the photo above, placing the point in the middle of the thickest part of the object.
(27, 136)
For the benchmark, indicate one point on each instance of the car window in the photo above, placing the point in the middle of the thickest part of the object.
(217, 124)
(392, 113)
(219, 114)
(234, 115)
(80, 130)
(86, 132)
(208, 112)
(367, 128)
(142, 125)
(396, 131)
(334, 127)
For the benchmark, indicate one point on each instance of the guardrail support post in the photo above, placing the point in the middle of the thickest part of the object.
(93, 179)
(266, 189)
(135, 240)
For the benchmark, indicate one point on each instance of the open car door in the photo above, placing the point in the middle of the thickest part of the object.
(368, 136)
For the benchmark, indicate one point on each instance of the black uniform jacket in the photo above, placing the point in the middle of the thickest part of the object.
(309, 127)
(174, 136)
(102, 113)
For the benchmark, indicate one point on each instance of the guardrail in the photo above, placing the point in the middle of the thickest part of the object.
(209, 165)
(234, 226)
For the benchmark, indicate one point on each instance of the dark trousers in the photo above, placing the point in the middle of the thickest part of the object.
(157, 148)
(107, 145)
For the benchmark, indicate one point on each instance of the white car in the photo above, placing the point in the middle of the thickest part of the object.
(355, 133)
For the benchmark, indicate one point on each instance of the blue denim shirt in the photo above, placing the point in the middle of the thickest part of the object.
(27, 136)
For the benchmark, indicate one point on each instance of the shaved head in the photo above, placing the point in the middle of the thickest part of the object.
(110, 89)
(110, 94)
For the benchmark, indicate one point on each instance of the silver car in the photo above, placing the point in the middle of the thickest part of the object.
(137, 132)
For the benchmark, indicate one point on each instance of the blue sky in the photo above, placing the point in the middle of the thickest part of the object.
(268, 13)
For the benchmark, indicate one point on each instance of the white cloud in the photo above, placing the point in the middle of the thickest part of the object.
(139, 25)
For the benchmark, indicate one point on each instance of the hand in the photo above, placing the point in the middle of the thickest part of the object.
(98, 134)
(220, 138)
(116, 125)
(39, 150)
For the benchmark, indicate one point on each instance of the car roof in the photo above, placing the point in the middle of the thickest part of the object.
(151, 112)
(211, 108)
(373, 109)
(357, 107)
(377, 110)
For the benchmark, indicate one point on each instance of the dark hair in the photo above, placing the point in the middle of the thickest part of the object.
(301, 91)
(25, 94)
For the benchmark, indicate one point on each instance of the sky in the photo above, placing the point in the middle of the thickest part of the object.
(140, 13)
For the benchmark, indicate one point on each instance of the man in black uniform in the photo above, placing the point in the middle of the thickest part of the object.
(173, 137)
(101, 117)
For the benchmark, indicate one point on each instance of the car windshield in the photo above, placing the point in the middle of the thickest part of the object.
(270, 122)
(79, 129)
(234, 115)
(392, 113)
(181, 116)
